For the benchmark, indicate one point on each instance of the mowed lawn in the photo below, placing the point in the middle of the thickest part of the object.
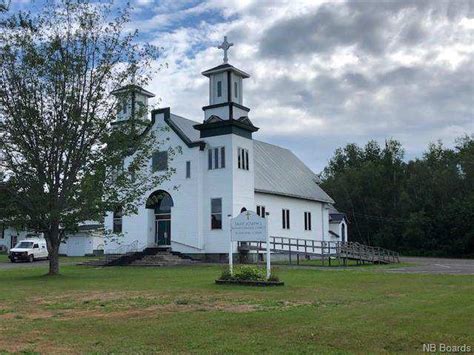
(180, 309)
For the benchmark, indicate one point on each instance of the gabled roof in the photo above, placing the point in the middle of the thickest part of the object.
(277, 170)
(223, 68)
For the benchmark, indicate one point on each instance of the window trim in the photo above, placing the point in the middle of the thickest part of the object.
(216, 213)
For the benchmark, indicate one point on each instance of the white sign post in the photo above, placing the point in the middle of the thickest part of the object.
(249, 227)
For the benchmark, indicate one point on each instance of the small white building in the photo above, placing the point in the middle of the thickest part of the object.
(88, 240)
(222, 169)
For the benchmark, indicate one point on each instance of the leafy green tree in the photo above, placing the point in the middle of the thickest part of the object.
(424, 206)
(57, 147)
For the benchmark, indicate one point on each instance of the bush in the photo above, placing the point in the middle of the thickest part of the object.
(247, 273)
(226, 275)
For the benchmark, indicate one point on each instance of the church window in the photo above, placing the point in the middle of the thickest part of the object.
(216, 158)
(188, 169)
(236, 89)
(2, 231)
(219, 88)
(159, 161)
(243, 158)
(216, 213)
(285, 217)
(261, 211)
(117, 220)
(307, 221)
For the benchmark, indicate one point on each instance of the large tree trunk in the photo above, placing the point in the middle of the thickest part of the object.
(52, 241)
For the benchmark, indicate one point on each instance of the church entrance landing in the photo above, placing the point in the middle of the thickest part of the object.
(161, 202)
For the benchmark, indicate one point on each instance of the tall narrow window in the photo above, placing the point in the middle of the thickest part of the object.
(236, 89)
(285, 218)
(219, 88)
(261, 211)
(216, 158)
(188, 169)
(222, 157)
(216, 213)
(307, 221)
(243, 158)
(2, 231)
(117, 220)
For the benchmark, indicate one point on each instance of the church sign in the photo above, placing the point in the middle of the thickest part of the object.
(249, 227)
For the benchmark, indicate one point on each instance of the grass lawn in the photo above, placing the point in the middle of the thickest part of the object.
(180, 309)
(62, 259)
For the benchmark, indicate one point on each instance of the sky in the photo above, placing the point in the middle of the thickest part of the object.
(323, 74)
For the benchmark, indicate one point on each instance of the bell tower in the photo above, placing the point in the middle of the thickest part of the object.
(225, 90)
(133, 103)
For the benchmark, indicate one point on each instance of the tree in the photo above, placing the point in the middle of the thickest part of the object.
(423, 207)
(62, 158)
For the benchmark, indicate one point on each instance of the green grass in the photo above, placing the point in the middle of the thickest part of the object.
(62, 259)
(180, 309)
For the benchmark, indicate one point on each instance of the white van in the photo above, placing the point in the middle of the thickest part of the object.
(29, 249)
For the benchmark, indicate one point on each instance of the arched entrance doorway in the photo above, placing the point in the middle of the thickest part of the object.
(161, 202)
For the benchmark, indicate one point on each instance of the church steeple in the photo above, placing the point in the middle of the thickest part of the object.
(226, 113)
(225, 89)
(133, 102)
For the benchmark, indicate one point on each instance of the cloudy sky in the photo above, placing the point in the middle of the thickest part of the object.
(323, 74)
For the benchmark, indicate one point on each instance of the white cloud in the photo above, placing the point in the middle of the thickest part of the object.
(329, 72)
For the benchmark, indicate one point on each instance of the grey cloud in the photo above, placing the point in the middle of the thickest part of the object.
(369, 25)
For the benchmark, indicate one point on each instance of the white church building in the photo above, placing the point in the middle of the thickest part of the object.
(222, 169)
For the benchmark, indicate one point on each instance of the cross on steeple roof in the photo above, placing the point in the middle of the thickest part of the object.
(225, 46)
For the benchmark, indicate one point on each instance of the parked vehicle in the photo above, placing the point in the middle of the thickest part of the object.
(29, 249)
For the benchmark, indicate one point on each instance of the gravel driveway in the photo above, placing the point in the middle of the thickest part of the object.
(436, 266)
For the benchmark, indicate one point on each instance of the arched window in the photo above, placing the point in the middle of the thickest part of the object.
(160, 201)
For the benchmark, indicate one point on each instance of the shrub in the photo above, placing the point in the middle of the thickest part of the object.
(249, 273)
(226, 275)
